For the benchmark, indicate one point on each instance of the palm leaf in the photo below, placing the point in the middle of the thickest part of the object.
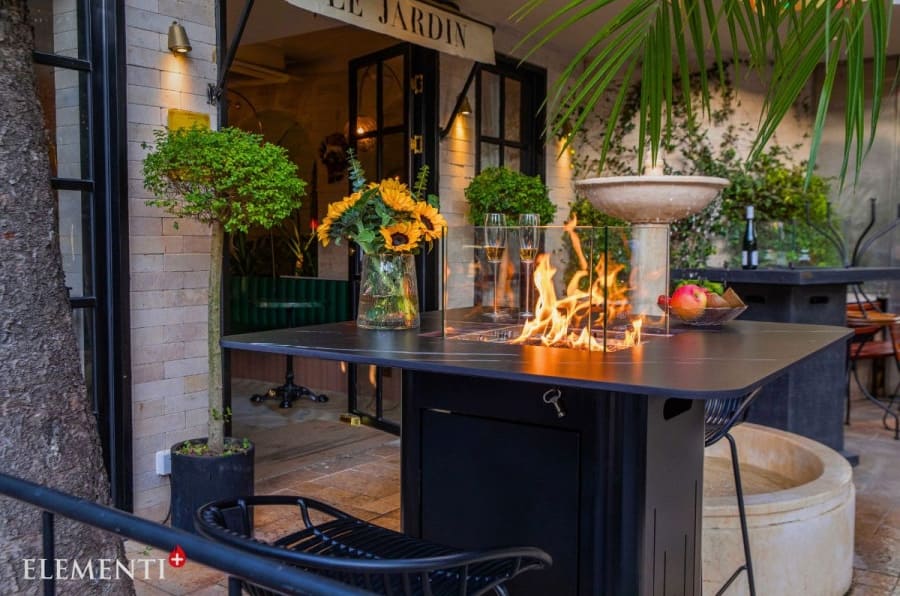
(665, 39)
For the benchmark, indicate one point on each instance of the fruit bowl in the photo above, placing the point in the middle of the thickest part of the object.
(712, 316)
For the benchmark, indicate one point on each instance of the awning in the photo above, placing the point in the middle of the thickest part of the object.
(418, 22)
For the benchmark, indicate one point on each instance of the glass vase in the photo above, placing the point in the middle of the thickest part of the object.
(388, 295)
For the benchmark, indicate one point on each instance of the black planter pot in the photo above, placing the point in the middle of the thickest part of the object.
(199, 479)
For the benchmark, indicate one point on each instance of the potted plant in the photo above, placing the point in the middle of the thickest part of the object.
(231, 180)
(501, 190)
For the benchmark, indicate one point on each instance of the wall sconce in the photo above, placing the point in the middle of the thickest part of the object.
(462, 106)
(178, 39)
(465, 109)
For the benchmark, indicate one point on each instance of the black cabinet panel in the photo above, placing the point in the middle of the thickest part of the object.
(525, 493)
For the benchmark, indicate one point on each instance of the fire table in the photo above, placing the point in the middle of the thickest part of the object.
(594, 456)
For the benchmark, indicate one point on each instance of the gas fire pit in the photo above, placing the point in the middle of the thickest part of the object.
(581, 295)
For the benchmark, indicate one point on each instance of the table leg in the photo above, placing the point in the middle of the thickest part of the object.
(289, 392)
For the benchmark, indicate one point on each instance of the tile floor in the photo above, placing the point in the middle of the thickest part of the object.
(307, 451)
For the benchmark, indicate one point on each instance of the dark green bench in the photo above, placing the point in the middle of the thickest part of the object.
(246, 292)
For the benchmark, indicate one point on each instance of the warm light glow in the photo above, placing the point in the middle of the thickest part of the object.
(569, 321)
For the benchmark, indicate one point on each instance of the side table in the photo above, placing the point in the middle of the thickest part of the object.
(288, 392)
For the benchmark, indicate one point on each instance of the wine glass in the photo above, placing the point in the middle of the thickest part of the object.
(494, 246)
(529, 243)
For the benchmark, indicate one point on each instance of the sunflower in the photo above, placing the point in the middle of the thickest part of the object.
(396, 195)
(336, 210)
(402, 237)
(432, 222)
(323, 230)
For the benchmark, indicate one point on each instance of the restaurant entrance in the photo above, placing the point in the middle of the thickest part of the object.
(319, 88)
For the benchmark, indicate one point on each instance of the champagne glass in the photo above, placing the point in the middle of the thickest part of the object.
(529, 243)
(494, 246)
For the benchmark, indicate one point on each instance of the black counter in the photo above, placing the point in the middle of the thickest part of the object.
(608, 478)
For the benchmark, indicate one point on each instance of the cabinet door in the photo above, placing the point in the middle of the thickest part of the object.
(487, 483)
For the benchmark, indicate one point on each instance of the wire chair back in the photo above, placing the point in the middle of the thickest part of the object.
(361, 554)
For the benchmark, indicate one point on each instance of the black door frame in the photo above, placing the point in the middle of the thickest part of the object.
(421, 114)
(105, 181)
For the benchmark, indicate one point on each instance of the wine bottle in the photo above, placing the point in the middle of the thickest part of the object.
(749, 252)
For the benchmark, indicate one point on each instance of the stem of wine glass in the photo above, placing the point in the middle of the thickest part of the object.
(528, 289)
(495, 264)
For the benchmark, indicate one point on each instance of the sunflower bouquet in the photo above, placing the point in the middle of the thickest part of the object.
(390, 222)
(384, 217)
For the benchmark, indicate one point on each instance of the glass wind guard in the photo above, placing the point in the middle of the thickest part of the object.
(580, 290)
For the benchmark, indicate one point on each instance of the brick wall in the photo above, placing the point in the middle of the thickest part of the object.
(169, 267)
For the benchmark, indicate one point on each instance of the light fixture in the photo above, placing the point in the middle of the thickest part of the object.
(178, 39)
(462, 105)
(465, 107)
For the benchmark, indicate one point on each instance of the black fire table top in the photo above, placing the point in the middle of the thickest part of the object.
(798, 276)
(727, 361)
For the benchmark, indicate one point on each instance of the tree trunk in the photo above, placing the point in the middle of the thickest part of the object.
(216, 439)
(48, 433)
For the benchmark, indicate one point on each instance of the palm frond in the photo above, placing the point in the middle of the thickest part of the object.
(664, 40)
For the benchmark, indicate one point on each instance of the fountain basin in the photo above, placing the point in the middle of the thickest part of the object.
(651, 199)
(800, 511)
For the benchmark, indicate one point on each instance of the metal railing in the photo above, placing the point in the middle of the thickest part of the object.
(238, 564)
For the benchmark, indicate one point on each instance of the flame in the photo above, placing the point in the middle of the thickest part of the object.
(568, 321)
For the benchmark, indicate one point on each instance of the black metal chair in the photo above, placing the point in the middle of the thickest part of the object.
(361, 554)
(721, 415)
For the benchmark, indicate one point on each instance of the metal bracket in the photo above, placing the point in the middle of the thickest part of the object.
(417, 144)
(417, 84)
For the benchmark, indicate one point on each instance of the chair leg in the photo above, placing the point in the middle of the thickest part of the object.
(888, 412)
(748, 563)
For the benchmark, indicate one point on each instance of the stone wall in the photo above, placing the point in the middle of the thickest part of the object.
(169, 266)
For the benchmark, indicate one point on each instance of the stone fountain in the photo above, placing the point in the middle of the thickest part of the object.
(650, 203)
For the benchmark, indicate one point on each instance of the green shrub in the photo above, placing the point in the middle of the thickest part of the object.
(500, 190)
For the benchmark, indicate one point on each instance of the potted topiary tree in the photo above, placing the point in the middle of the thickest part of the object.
(501, 190)
(231, 180)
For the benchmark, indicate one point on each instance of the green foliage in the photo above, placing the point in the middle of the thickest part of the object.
(225, 176)
(501, 190)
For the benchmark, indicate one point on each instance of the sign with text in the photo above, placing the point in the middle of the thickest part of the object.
(413, 21)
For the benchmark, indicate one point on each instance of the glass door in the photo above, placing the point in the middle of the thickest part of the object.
(393, 130)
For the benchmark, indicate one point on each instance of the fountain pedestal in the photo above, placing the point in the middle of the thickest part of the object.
(650, 203)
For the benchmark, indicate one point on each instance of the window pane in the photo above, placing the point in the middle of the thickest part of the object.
(490, 155)
(83, 321)
(490, 104)
(392, 87)
(366, 91)
(512, 123)
(57, 27)
(512, 158)
(75, 241)
(392, 160)
(62, 93)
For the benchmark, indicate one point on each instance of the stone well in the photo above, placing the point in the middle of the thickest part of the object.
(800, 509)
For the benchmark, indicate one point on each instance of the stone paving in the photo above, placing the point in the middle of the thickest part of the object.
(357, 469)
